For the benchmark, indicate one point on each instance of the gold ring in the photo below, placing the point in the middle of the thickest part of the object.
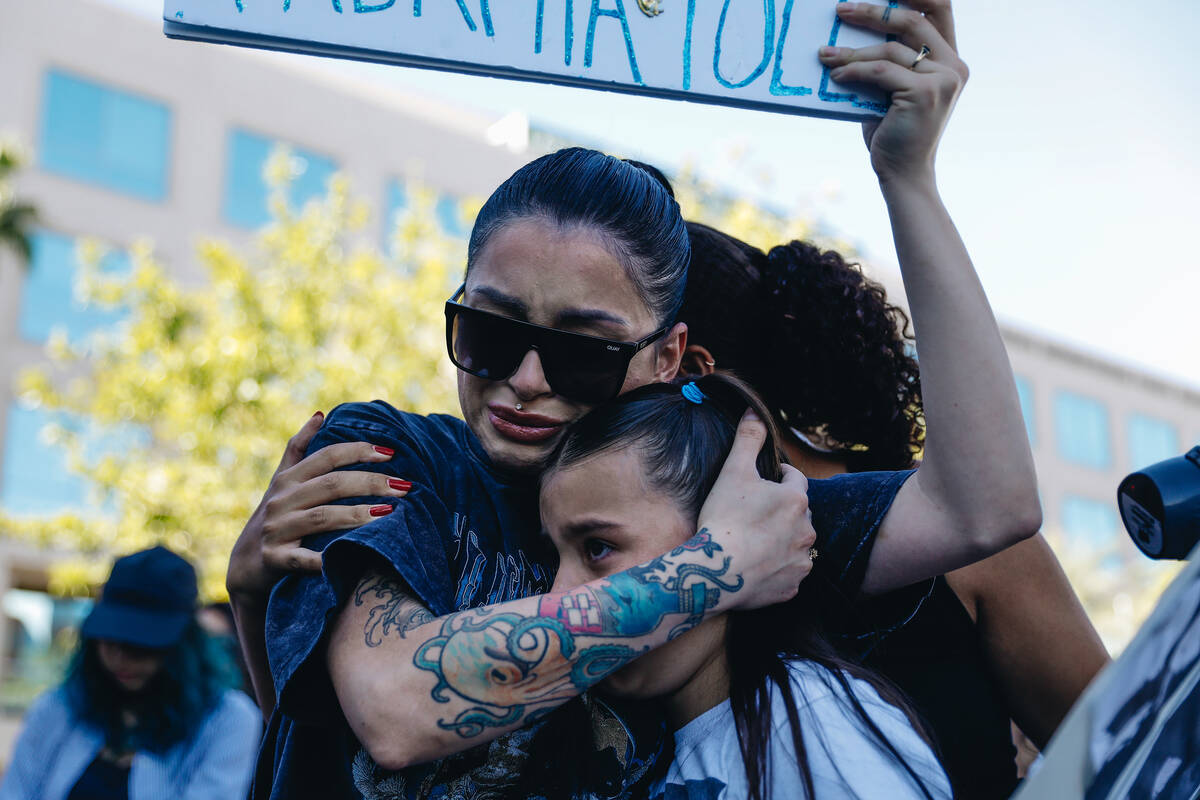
(812, 554)
(925, 51)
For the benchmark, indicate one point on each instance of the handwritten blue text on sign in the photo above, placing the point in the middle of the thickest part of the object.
(755, 53)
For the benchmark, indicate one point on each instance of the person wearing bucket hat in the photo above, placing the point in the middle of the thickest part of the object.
(148, 601)
(146, 709)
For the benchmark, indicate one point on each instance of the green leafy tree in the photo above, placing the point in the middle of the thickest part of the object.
(190, 401)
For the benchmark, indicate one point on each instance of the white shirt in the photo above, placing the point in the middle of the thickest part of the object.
(845, 759)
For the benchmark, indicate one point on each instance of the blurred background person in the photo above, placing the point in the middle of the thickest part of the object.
(146, 709)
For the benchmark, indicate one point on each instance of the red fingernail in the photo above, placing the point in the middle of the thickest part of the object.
(387, 451)
(399, 485)
(380, 511)
(319, 414)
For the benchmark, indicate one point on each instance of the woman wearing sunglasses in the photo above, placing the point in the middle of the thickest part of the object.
(576, 268)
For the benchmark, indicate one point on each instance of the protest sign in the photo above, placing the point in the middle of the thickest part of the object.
(751, 53)
(1135, 732)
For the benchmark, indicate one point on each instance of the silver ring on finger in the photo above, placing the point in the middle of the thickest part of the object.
(921, 56)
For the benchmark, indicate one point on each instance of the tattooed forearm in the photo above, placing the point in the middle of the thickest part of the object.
(391, 609)
(504, 664)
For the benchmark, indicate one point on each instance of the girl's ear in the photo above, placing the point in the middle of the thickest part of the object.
(697, 361)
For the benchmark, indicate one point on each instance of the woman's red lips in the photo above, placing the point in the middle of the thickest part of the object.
(522, 426)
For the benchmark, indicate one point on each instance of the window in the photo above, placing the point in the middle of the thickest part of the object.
(1090, 523)
(48, 298)
(450, 216)
(1025, 395)
(246, 189)
(36, 478)
(1151, 440)
(104, 136)
(1081, 426)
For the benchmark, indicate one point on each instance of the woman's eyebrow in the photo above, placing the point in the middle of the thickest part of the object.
(505, 303)
(577, 317)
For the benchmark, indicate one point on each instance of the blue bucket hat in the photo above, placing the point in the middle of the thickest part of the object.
(147, 602)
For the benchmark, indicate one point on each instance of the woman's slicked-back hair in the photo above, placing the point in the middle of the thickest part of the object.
(624, 203)
(683, 444)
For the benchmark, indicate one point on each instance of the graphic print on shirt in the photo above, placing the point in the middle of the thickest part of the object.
(507, 576)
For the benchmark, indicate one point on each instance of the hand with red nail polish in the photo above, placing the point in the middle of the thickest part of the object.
(300, 502)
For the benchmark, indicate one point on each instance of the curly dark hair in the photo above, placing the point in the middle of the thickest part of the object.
(815, 337)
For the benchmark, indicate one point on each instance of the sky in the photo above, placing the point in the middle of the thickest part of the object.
(1069, 166)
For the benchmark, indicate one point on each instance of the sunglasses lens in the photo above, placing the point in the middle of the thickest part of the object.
(583, 369)
(485, 345)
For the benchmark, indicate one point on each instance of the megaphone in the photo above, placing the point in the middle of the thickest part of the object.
(1160, 506)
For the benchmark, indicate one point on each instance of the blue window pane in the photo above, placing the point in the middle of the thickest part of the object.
(246, 191)
(450, 217)
(48, 298)
(1081, 425)
(1151, 440)
(395, 201)
(35, 477)
(1025, 395)
(1089, 523)
(104, 136)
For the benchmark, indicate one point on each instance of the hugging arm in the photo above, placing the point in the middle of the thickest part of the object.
(473, 675)
(416, 688)
(975, 492)
(293, 507)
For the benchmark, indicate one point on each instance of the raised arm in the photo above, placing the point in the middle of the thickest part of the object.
(415, 688)
(975, 492)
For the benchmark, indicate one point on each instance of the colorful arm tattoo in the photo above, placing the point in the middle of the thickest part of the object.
(511, 667)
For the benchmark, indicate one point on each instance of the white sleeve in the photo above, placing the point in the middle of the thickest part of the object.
(846, 759)
(27, 764)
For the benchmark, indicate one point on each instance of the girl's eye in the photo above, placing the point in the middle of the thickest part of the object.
(596, 549)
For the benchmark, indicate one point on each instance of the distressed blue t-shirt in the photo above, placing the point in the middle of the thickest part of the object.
(465, 536)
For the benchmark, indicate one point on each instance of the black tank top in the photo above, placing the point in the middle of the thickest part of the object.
(928, 645)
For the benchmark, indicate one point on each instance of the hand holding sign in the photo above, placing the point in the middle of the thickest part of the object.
(923, 88)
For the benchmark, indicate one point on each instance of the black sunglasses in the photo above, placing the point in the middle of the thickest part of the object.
(587, 369)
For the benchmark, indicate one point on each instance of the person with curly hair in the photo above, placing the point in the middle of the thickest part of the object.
(1005, 638)
(145, 710)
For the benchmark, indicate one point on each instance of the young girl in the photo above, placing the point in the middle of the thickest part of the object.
(760, 703)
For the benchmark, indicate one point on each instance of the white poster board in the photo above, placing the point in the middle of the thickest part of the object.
(752, 53)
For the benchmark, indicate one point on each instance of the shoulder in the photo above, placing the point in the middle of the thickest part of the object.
(382, 417)
(51, 707)
(857, 488)
(234, 715)
(837, 736)
(823, 691)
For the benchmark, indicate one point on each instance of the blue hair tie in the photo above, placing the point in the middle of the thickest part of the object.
(692, 392)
